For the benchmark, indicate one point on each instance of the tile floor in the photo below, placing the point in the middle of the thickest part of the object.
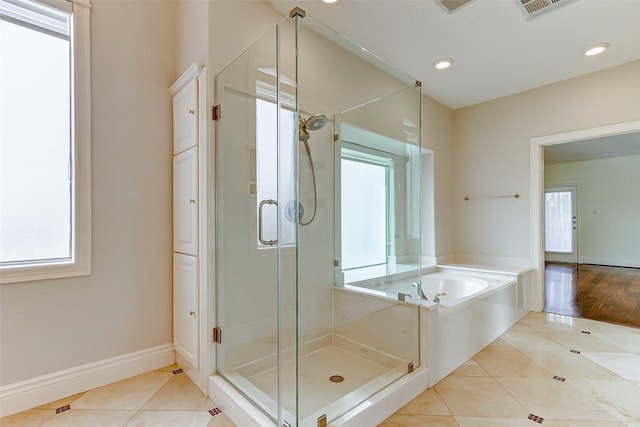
(161, 399)
(548, 369)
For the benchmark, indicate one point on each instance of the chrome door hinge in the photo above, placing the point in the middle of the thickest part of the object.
(215, 112)
(217, 335)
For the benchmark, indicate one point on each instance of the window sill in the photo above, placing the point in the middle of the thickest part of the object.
(33, 272)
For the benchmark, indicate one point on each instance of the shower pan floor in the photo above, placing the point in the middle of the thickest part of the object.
(318, 394)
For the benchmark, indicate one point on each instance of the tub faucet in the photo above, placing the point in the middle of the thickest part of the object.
(437, 297)
(419, 289)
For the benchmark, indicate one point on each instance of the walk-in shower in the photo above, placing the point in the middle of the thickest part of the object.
(300, 340)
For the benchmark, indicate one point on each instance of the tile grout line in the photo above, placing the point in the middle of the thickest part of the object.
(152, 396)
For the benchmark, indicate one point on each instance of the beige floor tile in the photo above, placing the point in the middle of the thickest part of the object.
(469, 396)
(532, 341)
(510, 364)
(596, 326)
(582, 423)
(179, 394)
(169, 419)
(500, 345)
(583, 342)
(570, 365)
(619, 398)
(419, 421)
(548, 398)
(89, 418)
(62, 402)
(428, 402)
(627, 365)
(471, 368)
(627, 340)
(494, 422)
(520, 327)
(127, 394)
(34, 417)
(548, 322)
(220, 420)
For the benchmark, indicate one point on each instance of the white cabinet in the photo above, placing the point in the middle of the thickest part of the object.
(185, 307)
(186, 217)
(185, 202)
(185, 117)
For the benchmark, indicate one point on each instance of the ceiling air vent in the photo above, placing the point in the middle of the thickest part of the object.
(535, 8)
(452, 5)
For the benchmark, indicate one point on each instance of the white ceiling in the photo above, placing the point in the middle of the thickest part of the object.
(497, 52)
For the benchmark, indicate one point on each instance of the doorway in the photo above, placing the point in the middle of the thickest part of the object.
(537, 151)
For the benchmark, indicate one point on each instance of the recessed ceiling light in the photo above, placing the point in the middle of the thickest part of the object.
(329, 1)
(596, 49)
(443, 63)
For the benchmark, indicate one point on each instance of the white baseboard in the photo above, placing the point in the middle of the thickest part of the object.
(608, 261)
(27, 394)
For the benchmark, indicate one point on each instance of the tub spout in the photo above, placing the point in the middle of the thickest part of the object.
(437, 297)
(419, 289)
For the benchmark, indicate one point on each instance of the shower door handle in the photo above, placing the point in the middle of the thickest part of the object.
(262, 203)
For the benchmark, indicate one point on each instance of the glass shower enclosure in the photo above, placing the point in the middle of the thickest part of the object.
(317, 206)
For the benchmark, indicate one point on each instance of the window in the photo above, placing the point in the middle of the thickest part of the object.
(44, 140)
(365, 206)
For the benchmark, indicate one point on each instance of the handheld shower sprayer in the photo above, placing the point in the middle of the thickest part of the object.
(311, 123)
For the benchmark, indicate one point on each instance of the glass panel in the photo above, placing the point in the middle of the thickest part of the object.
(557, 227)
(246, 272)
(351, 335)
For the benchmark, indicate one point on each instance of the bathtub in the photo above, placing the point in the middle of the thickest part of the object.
(475, 307)
(450, 288)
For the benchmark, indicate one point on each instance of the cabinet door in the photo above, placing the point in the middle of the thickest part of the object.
(185, 118)
(185, 202)
(185, 303)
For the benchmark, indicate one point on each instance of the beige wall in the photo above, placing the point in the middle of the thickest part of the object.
(125, 304)
(437, 134)
(192, 33)
(491, 151)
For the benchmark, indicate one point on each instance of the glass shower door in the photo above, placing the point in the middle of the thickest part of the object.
(246, 224)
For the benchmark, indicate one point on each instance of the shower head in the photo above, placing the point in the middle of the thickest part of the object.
(313, 122)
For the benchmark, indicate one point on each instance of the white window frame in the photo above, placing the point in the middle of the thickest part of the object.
(80, 264)
(363, 155)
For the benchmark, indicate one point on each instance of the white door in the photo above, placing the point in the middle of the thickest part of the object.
(185, 202)
(185, 305)
(561, 224)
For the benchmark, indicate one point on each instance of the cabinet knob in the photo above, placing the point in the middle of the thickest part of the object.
(192, 313)
(191, 111)
(192, 201)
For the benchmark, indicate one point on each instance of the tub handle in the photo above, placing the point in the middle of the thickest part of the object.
(402, 296)
(262, 203)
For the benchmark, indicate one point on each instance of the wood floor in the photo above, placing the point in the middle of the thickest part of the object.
(608, 294)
